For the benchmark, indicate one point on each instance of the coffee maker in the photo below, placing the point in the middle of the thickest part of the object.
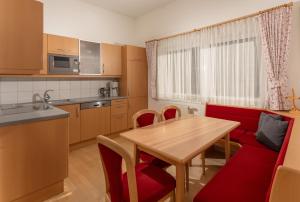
(114, 88)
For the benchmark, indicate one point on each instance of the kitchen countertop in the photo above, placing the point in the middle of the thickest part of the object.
(83, 100)
(15, 115)
(23, 113)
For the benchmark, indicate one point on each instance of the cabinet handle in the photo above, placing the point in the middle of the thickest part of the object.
(102, 68)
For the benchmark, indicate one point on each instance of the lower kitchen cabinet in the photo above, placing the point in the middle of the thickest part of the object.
(94, 122)
(74, 122)
(119, 110)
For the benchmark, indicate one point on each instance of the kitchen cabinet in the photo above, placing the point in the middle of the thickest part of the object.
(111, 59)
(134, 80)
(94, 122)
(44, 71)
(119, 111)
(21, 37)
(63, 45)
(34, 160)
(74, 122)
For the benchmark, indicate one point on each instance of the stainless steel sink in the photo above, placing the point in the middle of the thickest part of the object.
(23, 108)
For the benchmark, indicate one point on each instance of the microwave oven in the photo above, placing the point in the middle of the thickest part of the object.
(63, 64)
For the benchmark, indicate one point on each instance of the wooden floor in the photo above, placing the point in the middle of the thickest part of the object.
(86, 180)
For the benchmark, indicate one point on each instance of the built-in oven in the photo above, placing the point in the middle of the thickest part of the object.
(63, 64)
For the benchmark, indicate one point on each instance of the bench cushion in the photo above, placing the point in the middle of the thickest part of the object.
(250, 139)
(246, 177)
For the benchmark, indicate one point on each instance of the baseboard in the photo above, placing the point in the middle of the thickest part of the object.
(43, 194)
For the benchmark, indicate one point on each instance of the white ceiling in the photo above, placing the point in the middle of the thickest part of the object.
(132, 8)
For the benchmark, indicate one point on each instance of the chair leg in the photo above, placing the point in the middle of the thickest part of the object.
(173, 197)
(203, 162)
(187, 177)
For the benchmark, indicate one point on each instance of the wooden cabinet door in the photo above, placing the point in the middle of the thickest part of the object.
(119, 111)
(94, 122)
(21, 37)
(71, 46)
(74, 122)
(45, 55)
(136, 54)
(137, 79)
(134, 105)
(63, 45)
(111, 59)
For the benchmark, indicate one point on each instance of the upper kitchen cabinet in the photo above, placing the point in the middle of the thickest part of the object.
(111, 59)
(21, 36)
(63, 45)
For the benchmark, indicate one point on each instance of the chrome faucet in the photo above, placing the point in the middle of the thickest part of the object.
(47, 97)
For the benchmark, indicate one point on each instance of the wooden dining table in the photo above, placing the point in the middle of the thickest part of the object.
(178, 141)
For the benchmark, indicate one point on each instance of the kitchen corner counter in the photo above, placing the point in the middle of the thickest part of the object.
(30, 116)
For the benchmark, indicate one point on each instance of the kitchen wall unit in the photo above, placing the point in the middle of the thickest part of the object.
(63, 45)
(94, 122)
(44, 70)
(134, 80)
(34, 160)
(119, 112)
(21, 37)
(111, 59)
(74, 122)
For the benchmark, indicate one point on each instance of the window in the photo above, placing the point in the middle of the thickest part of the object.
(221, 66)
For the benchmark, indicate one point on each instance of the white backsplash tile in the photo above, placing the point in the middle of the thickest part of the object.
(64, 94)
(9, 97)
(25, 86)
(25, 96)
(64, 85)
(52, 84)
(39, 85)
(9, 86)
(17, 90)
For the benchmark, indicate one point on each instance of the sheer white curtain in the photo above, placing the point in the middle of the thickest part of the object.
(221, 64)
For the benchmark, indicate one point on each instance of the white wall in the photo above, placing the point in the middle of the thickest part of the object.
(85, 21)
(186, 15)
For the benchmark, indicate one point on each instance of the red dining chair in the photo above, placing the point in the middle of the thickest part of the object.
(170, 112)
(145, 118)
(141, 183)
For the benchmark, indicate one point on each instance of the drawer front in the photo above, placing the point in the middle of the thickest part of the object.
(119, 109)
(118, 102)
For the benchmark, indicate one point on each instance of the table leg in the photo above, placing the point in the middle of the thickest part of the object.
(187, 177)
(136, 153)
(180, 175)
(227, 147)
(203, 162)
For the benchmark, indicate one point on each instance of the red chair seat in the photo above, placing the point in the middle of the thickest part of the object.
(245, 178)
(147, 158)
(152, 183)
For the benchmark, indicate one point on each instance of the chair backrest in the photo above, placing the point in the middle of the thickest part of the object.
(170, 112)
(145, 117)
(111, 155)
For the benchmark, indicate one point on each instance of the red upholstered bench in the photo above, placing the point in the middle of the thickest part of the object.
(248, 176)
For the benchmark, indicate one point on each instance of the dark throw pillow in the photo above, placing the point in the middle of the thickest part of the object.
(271, 131)
(263, 116)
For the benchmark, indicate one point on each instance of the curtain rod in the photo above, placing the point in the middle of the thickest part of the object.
(225, 22)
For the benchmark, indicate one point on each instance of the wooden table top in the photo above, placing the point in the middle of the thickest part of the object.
(182, 139)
